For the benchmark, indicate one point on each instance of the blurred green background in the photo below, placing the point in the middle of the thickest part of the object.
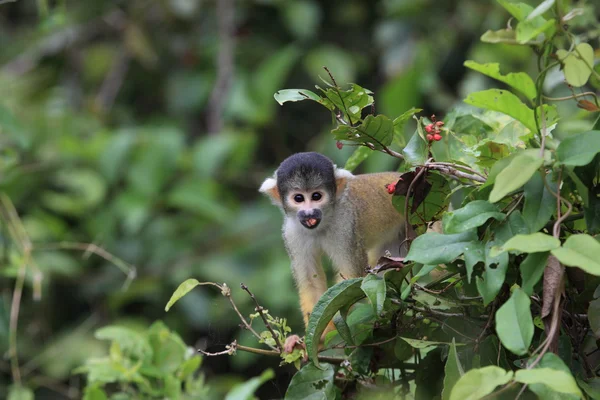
(146, 127)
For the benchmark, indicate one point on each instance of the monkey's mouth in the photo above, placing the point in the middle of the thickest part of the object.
(310, 223)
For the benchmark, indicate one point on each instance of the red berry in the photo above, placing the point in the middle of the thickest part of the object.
(437, 137)
(439, 123)
(429, 128)
(391, 188)
(429, 137)
(339, 145)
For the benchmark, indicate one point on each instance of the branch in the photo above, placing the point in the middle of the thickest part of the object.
(260, 309)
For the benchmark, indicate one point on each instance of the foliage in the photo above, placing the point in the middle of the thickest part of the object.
(523, 208)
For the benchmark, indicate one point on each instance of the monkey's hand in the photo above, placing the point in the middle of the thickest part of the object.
(292, 342)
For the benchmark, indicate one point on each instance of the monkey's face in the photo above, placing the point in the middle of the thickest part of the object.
(308, 205)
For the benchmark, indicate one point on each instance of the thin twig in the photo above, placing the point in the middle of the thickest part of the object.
(408, 193)
(113, 81)
(260, 309)
(227, 293)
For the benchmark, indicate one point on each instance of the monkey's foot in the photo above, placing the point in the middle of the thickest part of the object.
(292, 342)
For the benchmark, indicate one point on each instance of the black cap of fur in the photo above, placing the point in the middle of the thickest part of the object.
(306, 171)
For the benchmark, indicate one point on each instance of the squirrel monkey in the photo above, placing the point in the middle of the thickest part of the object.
(328, 210)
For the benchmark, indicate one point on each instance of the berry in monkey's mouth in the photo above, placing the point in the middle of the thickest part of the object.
(311, 223)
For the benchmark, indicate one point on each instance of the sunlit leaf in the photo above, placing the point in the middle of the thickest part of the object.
(479, 382)
(436, 248)
(577, 64)
(517, 80)
(532, 243)
(184, 289)
(559, 381)
(514, 323)
(520, 169)
(580, 251)
(245, 391)
(504, 102)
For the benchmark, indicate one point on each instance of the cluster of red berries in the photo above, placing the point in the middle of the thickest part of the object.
(434, 130)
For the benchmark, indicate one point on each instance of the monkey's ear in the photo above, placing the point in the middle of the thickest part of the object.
(341, 178)
(269, 187)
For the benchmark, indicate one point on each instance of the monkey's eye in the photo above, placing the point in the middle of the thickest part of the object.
(298, 198)
(316, 196)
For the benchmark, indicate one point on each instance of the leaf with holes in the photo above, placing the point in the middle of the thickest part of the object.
(312, 383)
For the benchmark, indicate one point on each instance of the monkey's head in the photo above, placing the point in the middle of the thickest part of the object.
(306, 186)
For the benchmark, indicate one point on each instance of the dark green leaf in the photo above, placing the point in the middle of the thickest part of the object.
(415, 152)
(453, 371)
(580, 149)
(532, 269)
(494, 274)
(473, 215)
(312, 383)
(540, 204)
(593, 314)
(474, 254)
(435, 248)
(341, 295)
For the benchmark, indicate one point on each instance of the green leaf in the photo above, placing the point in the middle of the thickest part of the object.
(473, 215)
(245, 391)
(378, 131)
(422, 344)
(591, 387)
(474, 254)
(593, 314)
(541, 9)
(532, 243)
(505, 102)
(312, 383)
(285, 95)
(375, 289)
(184, 288)
(436, 248)
(359, 155)
(494, 274)
(452, 371)
(351, 101)
(540, 204)
(518, 10)
(516, 174)
(479, 382)
(336, 297)
(577, 64)
(580, 251)
(130, 342)
(94, 392)
(517, 80)
(559, 381)
(579, 150)
(514, 323)
(415, 152)
(532, 269)
(18, 392)
(530, 29)
(500, 36)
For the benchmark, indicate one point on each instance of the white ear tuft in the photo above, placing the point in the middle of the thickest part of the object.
(267, 185)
